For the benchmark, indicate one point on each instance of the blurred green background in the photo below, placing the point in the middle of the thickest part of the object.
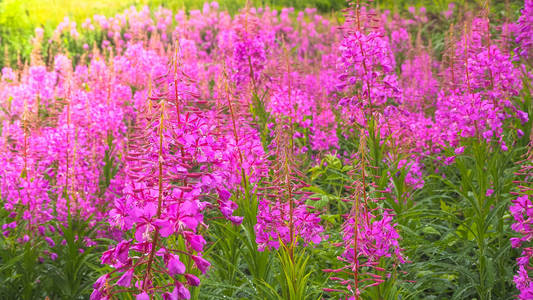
(19, 18)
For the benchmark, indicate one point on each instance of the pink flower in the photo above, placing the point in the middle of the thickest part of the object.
(196, 241)
(183, 292)
(125, 279)
(100, 282)
(201, 263)
(192, 280)
(142, 296)
(50, 242)
(175, 266)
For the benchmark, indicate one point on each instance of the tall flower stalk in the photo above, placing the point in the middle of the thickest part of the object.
(522, 212)
(161, 205)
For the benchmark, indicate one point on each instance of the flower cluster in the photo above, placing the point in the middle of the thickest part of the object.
(522, 212)
(524, 37)
(284, 214)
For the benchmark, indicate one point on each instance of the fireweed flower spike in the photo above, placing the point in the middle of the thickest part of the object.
(160, 201)
(369, 81)
(522, 212)
(249, 56)
(369, 235)
(366, 64)
(524, 37)
(283, 215)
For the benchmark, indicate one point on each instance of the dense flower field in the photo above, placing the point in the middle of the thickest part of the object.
(270, 155)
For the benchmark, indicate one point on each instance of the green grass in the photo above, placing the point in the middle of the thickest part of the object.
(18, 19)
